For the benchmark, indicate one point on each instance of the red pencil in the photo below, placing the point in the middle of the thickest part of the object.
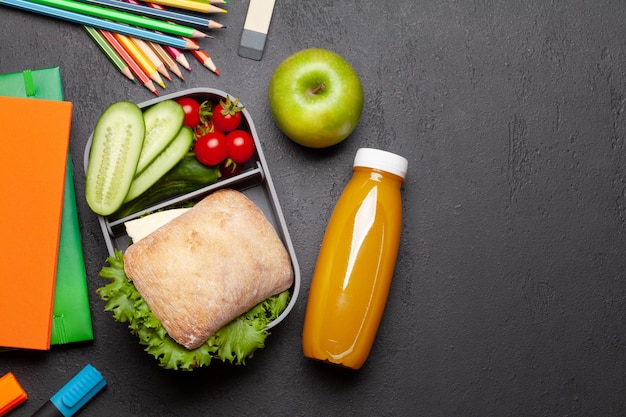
(134, 67)
(204, 58)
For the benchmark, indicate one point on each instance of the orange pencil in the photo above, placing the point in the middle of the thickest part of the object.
(140, 58)
(204, 58)
(132, 64)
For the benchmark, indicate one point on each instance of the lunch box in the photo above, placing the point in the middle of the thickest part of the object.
(254, 181)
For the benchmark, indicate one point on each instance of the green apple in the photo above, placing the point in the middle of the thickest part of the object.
(316, 98)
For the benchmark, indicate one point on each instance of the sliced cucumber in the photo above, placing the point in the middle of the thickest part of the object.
(163, 121)
(165, 161)
(115, 148)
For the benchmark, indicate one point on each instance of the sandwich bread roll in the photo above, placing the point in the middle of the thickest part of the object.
(208, 266)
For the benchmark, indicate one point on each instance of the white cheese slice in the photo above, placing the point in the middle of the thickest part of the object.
(139, 228)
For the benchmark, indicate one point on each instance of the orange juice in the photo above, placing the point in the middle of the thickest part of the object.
(356, 262)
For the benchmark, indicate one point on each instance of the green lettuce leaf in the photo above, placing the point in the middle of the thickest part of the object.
(233, 343)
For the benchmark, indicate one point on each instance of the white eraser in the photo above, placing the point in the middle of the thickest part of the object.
(255, 28)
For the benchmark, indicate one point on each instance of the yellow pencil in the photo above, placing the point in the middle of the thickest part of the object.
(140, 58)
(149, 53)
(196, 6)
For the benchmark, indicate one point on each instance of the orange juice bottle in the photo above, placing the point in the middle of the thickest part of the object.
(356, 261)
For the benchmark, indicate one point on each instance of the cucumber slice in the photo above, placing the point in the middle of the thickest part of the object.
(165, 161)
(163, 121)
(115, 148)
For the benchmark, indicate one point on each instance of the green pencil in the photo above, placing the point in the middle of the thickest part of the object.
(110, 52)
(122, 17)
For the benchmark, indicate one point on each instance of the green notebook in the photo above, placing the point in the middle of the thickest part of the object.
(71, 320)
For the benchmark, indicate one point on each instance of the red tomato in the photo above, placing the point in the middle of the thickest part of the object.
(211, 148)
(192, 111)
(227, 115)
(203, 128)
(240, 146)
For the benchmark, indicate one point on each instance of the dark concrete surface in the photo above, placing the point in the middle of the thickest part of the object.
(509, 297)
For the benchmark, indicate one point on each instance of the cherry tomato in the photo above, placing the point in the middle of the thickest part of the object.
(192, 111)
(203, 128)
(240, 146)
(227, 115)
(211, 148)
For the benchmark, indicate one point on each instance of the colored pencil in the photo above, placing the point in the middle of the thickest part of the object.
(95, 22)
(204, 58)
(132, 64)
(192, 5)
(140, 58)
(170, 52)
(167, 59)
(110, 53)
(213, 1)
(122, 17)
(171, 16)
(152, 57)
(175, 53)
(178, 57)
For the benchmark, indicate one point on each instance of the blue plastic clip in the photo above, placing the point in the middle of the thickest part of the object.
(78, 391)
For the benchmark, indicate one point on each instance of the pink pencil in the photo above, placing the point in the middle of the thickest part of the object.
(178, 56)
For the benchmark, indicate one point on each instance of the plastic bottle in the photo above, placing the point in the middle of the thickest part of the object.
(356, 261)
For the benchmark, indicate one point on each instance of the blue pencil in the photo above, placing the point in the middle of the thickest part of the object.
(95, 22)
(147, 11)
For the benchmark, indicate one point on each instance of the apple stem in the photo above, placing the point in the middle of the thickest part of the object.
(317, 89)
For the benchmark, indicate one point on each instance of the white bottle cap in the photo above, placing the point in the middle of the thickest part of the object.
(383, 160)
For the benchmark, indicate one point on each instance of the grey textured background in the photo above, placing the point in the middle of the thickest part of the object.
(509, 297)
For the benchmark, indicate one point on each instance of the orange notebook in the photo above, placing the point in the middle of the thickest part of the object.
(34, 138)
